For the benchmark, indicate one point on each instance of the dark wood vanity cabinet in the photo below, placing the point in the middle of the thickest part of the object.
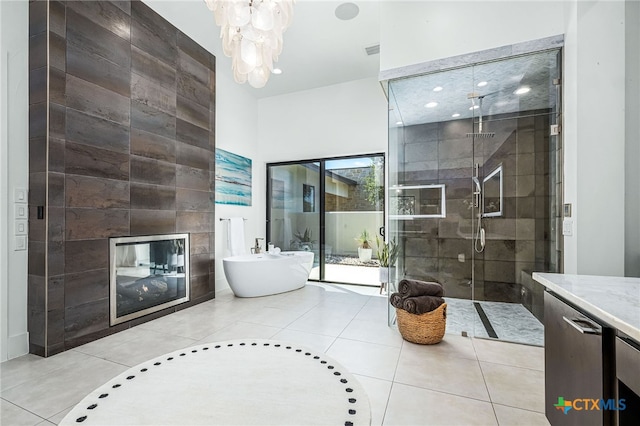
(628, 379)
(579, 365)
(592, 349)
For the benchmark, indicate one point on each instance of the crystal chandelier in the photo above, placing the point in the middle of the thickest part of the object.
(251, 33)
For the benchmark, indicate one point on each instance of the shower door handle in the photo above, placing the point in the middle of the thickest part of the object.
(381, 231)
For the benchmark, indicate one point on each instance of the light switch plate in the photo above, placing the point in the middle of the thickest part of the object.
(20, 227)
(20, 243)
(567, 227)
(21, 211)
(20, 195)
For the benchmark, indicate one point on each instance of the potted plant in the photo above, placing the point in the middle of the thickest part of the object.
(387, 255)
(364, 246)
(303, 240)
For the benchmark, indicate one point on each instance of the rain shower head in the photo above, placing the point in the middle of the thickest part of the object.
(479, 133)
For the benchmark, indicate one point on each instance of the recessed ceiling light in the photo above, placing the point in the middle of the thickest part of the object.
(431, 105)
(277, 71)
(474, 107)
(347, 11)
(399, 123)
(522, 90)
(437, 88)
(455, 115)
(482, 84)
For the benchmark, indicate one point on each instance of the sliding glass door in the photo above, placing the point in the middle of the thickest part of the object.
(293, 213)
(332, 216)
(353, 216)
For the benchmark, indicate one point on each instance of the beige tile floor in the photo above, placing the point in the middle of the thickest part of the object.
(461, 381)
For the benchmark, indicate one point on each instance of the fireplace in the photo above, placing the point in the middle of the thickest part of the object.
(147, 274)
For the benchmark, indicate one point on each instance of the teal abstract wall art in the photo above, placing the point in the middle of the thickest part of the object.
(233, 178)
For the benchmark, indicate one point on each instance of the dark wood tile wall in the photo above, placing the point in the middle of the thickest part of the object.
(121, 144)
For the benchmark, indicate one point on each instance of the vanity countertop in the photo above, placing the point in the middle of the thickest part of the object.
(614, 300)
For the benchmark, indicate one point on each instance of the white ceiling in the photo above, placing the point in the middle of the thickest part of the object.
(321, 50)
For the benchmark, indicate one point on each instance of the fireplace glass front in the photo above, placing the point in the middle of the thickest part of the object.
(148, 273)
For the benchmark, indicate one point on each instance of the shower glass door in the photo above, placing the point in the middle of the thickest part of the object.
(484, 135)
(430, 192)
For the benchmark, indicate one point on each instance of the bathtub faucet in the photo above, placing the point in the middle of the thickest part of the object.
(257, 249)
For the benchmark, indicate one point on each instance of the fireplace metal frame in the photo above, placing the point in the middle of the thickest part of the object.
(113, 242)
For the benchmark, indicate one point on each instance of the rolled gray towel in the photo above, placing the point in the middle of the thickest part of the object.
(396, 300)
(411, 288)
(421, 304)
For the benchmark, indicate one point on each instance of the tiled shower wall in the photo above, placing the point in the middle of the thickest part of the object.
(122, 110)
(517, 242)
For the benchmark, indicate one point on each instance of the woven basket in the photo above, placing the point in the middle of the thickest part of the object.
(425, 329)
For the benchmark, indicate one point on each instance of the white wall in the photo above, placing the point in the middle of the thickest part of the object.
(598, 40)
(14, 161)
(237, 131)
(570, 129)
(419, 31)
(343, 119)
(632, 166)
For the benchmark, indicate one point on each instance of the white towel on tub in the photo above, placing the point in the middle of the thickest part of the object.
(235, 236)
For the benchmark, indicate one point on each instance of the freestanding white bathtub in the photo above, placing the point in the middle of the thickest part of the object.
(253, 275)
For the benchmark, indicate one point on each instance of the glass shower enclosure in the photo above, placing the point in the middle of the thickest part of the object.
(475, 189)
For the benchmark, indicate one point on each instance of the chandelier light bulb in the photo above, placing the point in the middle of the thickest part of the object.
(251, 33)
